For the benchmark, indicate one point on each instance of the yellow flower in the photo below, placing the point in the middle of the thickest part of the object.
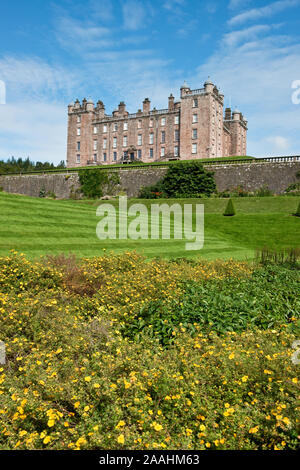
(295, 380)
(47, 439)
(253, 430)
(202, 427)
(51, 422)
(121, 439)
(245, 378)
(231, 356)
(87, 379)
(120, 424)
(157, 427)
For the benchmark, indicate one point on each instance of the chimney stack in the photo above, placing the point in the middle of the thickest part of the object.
(171, 102)
(146, 106)
(228, 114)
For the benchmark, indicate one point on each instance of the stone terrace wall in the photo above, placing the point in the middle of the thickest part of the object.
(276, 176)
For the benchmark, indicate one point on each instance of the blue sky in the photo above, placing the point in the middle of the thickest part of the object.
(52, 52)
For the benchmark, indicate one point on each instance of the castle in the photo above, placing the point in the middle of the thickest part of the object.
(194, 127)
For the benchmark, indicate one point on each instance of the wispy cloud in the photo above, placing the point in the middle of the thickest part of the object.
(31, 76)
(134, 15)
(263, 12)
(102, 10)
(235, 4)
(75, 35)
(247, 34)
(256, 76)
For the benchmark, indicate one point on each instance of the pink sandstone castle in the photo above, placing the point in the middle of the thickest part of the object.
(192, 128)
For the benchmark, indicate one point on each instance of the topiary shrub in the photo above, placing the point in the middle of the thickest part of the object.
(297, 213)
(229, 211)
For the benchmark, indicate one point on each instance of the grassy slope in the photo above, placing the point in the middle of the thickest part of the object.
(39, 226)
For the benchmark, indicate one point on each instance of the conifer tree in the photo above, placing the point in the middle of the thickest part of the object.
(229, 211)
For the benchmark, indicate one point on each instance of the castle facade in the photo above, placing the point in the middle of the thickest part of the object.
(194, 127)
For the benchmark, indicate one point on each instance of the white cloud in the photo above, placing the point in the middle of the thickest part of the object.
(134, 15)
(37, 130)
(263, 12)
(234, 37)
(34, 78)
(172, 4)
(102, 9)
(256, 76)
(235, 4)
(78, 35)
(278, 143)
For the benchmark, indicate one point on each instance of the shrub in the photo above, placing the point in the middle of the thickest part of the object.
(229, 210)
(297, 213)
(263, 192)
(183, 180)
(93, 181)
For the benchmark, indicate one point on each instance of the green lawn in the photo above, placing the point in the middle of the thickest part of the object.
(37, 226)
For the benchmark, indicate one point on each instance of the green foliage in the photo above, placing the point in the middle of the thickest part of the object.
(293, 189)
(93, 181)
(183, 180)
(229, 210)
(224, 305)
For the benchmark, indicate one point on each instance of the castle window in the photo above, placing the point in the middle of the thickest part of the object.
(151, 123)
(163, 121)
(95, 144)
(115, 142)
(95, 157)
(139, 124)
(125, 126)
(78, 131)
(95, 129)
(176, 151)
(78, 119)
(195, 134)
(194, 148)
(77, 158)
(162, 151)
(163, 137)
(151, 138)
(176, 120)
(115, 156)
(140, 139)
(195, 103)
(195, 118)
(125, 141)
(176, 135)
(104, 157)
(104, 127)
(115, 127)
(151, 153)
(78, 146)
(139, 153)
(104, 143)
